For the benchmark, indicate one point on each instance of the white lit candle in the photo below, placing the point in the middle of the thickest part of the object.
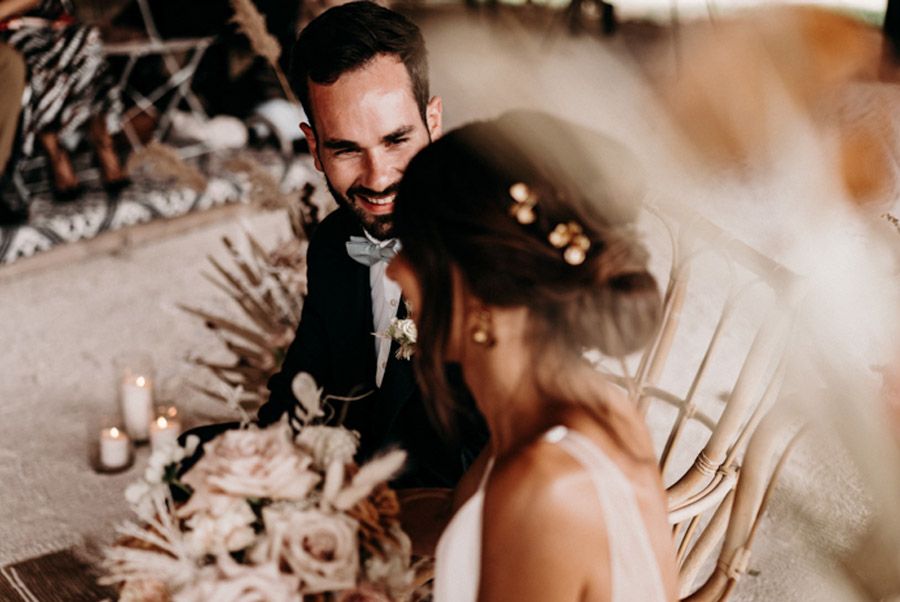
(137, 406)
(164, 431)
(114, 448)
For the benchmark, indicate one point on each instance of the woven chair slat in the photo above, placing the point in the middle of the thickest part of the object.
(740, 405)
(714, 492)
(690, 407)
(755, 481)
(663, 344)
(705, 545)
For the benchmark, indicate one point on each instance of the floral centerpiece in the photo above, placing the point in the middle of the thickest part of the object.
(270, 514)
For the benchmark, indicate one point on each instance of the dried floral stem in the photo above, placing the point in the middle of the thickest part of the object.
(251, 275)
(216, 322)
(252, 24)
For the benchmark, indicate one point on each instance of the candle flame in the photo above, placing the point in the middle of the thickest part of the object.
(161, 422)
(141, 381)
(114, 433)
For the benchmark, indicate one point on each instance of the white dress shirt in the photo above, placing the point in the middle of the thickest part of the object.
(385, 301)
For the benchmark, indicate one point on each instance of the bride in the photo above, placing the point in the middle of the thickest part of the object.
(517, 257)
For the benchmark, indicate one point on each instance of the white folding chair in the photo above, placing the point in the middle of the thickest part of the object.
(179, 57)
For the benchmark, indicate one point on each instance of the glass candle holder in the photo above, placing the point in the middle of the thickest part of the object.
(166, 426)
(114, 450)
(136, 379)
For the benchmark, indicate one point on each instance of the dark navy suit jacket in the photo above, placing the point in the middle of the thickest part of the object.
(336, 345)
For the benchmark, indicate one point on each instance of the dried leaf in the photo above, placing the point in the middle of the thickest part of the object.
(228, 325)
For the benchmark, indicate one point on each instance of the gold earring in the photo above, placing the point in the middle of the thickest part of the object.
(482, 331)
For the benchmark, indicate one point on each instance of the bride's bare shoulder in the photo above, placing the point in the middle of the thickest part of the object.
(539, 476)
(543, 536)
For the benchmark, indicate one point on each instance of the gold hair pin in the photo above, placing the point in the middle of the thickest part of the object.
(525, 200)
(570, 236)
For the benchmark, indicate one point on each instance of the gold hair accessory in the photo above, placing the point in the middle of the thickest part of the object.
(523, 209)
(570, 236)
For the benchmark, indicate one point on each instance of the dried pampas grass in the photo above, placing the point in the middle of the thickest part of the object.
(268, 287)
(158, 161)
(253, 25)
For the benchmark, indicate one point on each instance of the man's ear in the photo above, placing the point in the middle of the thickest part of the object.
(313, 146)
(434, 117)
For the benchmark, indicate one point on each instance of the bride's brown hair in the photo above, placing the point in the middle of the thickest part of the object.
(456, 206)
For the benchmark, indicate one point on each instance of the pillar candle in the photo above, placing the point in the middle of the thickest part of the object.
(164, 431)
(137, 406)
(115, 448)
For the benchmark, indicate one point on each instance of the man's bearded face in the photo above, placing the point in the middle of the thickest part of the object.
(368, 127)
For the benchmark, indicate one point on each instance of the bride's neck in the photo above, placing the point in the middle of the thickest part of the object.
(502, 380)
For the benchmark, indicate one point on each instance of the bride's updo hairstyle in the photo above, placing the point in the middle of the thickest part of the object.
(534, 211)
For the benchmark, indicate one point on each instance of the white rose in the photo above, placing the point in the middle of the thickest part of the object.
(407, 330)
(327, 444)
(254, 463)
(228, 581)
(226, 526)
(320, 548)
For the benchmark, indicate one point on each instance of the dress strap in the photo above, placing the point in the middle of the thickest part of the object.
(634, 566)
(487, 473)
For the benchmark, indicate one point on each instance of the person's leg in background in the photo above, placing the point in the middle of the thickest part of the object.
(12, 74)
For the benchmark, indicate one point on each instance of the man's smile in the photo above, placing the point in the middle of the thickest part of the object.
(377, 205)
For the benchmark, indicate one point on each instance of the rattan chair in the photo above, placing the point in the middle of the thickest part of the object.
(720, 496)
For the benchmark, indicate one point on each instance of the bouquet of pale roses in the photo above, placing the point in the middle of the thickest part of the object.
(271, 514)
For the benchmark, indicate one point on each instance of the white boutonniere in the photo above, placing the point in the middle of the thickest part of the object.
(404, 332)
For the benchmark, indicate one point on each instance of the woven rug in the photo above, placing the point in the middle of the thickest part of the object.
(60, 576)
(52, 224)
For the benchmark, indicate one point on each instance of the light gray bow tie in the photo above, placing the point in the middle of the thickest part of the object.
(366, 252)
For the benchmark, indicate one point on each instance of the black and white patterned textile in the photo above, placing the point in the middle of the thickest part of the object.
(68, 82)
(52, 224)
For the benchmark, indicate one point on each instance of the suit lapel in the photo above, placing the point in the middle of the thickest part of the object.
(398, 384)
(351, 341)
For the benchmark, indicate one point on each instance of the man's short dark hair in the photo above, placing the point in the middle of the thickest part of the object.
(346, 37)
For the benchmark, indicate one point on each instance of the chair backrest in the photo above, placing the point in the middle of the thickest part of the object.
(706, 384)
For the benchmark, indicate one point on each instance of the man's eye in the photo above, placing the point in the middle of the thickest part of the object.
(345, 152)
(398, 141)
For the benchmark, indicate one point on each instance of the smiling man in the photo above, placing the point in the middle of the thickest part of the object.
(361, 73)
(368, 125)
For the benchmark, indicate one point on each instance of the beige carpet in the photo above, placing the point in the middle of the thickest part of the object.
(62, 328)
